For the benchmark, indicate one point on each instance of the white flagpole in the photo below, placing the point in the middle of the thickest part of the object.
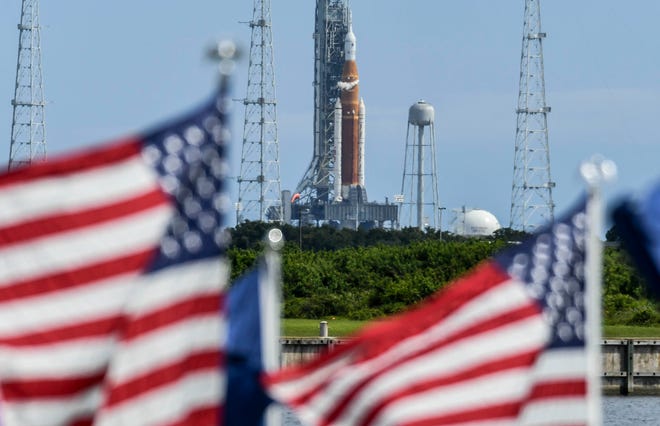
(270, 283)
(595, 172)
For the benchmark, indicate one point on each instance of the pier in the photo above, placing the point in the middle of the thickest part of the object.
(629, 366)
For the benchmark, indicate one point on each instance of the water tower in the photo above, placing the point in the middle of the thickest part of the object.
(419, 186)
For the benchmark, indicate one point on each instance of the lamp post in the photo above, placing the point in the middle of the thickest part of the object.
(299, 227)
(440, 220)
(295, 198)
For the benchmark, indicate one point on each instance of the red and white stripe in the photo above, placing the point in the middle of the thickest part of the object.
(82, 329)
(472, 355)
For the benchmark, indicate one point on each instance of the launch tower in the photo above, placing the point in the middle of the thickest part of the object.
(531, 194)
(259, 180)
(28, 133)
(331, 26)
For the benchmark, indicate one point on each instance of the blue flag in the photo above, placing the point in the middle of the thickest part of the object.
(638, 224)
(245, 399)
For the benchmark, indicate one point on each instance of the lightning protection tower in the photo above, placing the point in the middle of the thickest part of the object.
(419, 187)
(531, 194)
(28, 134)
(259, 179)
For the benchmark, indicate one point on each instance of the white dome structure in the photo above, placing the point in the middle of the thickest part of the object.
(475, 223)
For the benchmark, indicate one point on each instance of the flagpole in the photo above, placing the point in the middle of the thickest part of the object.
(270, 284)
(595, 172)
(225, 52)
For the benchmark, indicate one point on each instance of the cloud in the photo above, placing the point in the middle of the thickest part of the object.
(347, 85)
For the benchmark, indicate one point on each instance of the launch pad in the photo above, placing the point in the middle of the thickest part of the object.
(353, 212)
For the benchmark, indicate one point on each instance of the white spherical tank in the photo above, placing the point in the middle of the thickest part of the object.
(476, 223)
(421, 114)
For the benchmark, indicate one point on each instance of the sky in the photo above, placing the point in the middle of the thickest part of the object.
(115, 68)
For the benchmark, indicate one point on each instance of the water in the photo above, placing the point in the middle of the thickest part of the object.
(617, 411)
(290, 419)
(631, 410)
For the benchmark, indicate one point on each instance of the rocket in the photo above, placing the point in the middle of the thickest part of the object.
(350, 118)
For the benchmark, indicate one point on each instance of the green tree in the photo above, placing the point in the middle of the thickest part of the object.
(367, 274)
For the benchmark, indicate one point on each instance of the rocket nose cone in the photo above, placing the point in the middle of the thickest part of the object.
(350, 37)
(349, 46)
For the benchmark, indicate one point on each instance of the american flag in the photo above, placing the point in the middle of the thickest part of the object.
(638, 225)
(502, 345)
(246, 349)
(111, 280)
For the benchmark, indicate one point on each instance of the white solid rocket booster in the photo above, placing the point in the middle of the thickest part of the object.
(337, 135)
(362, 118)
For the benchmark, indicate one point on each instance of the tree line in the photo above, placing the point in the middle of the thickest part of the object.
(366, 274)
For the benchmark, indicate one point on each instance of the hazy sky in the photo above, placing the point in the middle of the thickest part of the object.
(114, 68)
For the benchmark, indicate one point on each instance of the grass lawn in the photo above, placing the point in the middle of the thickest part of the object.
(310, 328)
(343, 327)
(631, 332)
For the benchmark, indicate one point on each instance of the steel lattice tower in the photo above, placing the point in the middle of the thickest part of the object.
(331, 26)
(531, 194)
(28, 134)
(259, 194)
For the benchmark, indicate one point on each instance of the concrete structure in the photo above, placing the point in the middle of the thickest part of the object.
(298, 350)
(629, 367)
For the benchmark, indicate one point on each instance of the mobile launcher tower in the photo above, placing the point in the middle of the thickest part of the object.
(333, 187)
